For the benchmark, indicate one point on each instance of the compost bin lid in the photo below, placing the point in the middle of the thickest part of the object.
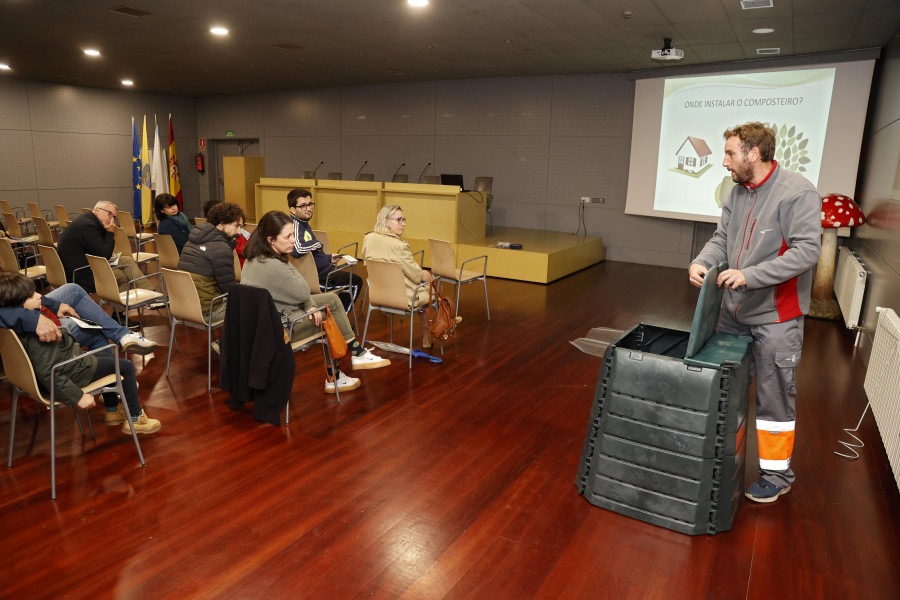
(705, 346)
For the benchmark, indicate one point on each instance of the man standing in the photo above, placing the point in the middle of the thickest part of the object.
(301, 206)
(769, 233)
(94, 233)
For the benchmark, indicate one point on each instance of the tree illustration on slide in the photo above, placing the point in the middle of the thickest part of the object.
(790, 148)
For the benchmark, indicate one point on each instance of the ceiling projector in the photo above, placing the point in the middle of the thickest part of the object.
(667, 52)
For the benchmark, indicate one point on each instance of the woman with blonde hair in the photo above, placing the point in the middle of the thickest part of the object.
(384, 243)
(267, 267)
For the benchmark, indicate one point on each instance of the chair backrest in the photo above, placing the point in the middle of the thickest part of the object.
(8, 260)
(432, 179)
(104, 280)
(122, 243)
(5, 207)
(386, 285)
(168, 251)
(12, 225)
(306, 266)
(366, 177)
(322, 236)
(400, 178)
(45, 236)
(184, 302)
(18, 366)
(199, 220)
(34, 210)
(335, 175)
(56, 273)
(237, 266)
(62, 215)
(484, 184)
(126, 221)
(443, 261)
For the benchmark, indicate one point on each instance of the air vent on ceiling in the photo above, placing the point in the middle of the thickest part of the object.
(768, 50)
(70, 76)
(289, 46)
(748, 4)
(127, 11)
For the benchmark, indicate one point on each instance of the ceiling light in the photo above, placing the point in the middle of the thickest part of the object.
(5, 67)
(417, 3)
(764, 30)
(127, 82)
(91, 52)
(218, 31)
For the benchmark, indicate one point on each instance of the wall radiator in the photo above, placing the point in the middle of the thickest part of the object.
(882, 384)
(849, 287)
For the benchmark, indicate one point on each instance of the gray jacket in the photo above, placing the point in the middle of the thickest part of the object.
(772, 233)
(208, 253)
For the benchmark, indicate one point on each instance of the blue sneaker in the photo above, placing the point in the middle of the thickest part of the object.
(765, 491)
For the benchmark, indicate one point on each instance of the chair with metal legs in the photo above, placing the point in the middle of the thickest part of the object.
(443, 266)
(20, 373)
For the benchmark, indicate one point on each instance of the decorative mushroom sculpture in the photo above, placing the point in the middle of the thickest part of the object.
(837, 211)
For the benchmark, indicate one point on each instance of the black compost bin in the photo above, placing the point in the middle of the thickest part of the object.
(667, 435)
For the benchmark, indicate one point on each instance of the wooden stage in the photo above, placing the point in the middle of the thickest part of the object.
(545, 255)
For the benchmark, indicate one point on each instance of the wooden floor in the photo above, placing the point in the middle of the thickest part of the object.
(451, 481)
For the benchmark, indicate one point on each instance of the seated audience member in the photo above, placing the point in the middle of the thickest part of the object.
(300, 205)
(268, 267)
(94, 233)
(18, 291)
(208, 255)
(384, 244)
(171, 221)
(70, 300)
(207, 206)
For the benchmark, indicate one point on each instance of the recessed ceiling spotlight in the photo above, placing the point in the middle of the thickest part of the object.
(127, 82)
(417, 3)
(627, 14)
(5, 67)
(91, 52)
(218, 31)
(764, 30)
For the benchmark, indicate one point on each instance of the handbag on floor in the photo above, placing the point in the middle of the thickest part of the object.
(442, 323)
(337, 345)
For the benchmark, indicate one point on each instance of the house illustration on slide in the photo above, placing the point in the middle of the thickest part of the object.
(693, 155)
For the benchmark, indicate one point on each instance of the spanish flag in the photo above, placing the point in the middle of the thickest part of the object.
(174, 179)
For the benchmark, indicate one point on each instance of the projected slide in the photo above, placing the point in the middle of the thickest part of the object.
(697, 110)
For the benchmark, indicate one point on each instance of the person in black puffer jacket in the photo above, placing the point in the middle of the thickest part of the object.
(208, 255)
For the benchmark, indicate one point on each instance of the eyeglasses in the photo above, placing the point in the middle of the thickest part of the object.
(401, 220)
(109, 212)
(307, 205)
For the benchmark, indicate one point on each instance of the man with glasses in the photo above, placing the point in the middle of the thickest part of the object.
(301, 206)
(94, 233)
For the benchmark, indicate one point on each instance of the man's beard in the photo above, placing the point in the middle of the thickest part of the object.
(742, 173)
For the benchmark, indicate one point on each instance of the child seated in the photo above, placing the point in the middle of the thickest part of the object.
(18, 290)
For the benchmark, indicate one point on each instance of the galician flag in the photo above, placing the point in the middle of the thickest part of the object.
(135, 169)
(159, 174)
(174, 179)
(146, 194)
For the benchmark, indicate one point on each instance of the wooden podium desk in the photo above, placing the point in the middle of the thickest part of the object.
(347, 209)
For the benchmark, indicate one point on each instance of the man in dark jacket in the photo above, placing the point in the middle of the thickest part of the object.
(94, 233)
(208, 256)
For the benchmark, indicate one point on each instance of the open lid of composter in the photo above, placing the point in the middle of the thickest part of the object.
(706, 348)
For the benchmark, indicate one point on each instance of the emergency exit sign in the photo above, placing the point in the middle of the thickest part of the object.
(229, 133)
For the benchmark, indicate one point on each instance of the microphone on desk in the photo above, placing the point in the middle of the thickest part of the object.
(360, 170)
(422, 174)
(317, 168)
(397, 171)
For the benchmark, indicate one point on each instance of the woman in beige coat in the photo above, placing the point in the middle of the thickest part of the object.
(384, 243)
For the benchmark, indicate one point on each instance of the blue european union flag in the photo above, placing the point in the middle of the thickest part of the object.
(135, 169)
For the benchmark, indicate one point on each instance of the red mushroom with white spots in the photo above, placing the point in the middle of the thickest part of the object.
(837, 211)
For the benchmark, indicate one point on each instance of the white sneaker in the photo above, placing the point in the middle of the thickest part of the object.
(133, 343)
(344, 384)
(367, 360)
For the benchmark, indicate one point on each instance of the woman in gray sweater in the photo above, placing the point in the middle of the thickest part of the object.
(267, 267)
